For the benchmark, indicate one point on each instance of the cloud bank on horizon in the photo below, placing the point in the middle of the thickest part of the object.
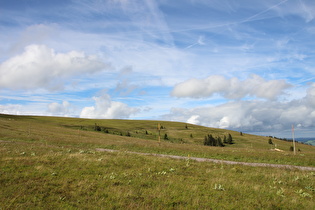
(240, 65)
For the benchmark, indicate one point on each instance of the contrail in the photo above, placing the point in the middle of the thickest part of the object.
(262, 12)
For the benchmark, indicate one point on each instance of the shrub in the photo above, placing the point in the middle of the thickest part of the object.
(97, 128)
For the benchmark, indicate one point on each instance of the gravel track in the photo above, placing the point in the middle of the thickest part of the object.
(304, 168)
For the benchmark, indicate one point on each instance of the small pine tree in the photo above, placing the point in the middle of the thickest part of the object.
(165, 137)
(270, 141)
(219, 140)
(191, 136)
(146, 132)
(215, 142)
(211, 140)
(206, 141)
(209, 143)
(224, 140)
(229, 139)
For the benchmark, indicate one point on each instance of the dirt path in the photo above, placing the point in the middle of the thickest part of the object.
(304, 168)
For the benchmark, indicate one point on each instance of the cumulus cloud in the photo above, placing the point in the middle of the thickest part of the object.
(11, 109)
(62, 109)
(41, 67)
(105, 108)
(252, 116)
(193, 119)
(233, 88)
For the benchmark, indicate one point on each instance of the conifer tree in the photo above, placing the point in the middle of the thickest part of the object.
(230, 139)
(206, 141)
(220, 144)
(224, 139)
(211, 140)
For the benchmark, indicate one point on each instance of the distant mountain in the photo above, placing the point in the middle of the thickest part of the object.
(310, 140)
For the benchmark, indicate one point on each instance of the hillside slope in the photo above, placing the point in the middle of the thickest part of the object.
(60, 163)
(142, 135)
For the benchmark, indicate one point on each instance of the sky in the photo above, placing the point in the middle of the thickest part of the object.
(244, 65)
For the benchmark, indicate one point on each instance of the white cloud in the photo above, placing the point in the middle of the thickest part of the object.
(310, 97)
(64, 109)
(230, 88)
(10, 109)
(193, 119)
(124, 87)
(105, 108)
(37, 33)
(304, 9)
(252, 116)
(41, 67)
(24, 109)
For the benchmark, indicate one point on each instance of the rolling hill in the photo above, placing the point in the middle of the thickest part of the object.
(142, 136)
(60, 163)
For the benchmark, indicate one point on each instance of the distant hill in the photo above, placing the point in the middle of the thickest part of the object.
(310, 140)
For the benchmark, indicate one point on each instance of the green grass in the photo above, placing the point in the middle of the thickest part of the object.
(51, 163)
(34, 175)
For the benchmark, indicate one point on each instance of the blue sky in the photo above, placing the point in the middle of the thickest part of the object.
(235, 64)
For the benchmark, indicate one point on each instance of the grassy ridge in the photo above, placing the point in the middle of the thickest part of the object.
(80, 132)
(51, 163)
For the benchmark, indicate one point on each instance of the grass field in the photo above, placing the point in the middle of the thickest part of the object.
(50, 162)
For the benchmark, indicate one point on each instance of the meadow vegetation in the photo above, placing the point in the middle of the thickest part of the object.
(51, 162)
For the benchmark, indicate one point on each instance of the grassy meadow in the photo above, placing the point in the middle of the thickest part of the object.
(51, 162)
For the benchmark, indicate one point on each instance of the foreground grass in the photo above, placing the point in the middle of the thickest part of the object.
(37, 175)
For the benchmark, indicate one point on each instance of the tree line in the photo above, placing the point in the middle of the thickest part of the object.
(209, 140)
